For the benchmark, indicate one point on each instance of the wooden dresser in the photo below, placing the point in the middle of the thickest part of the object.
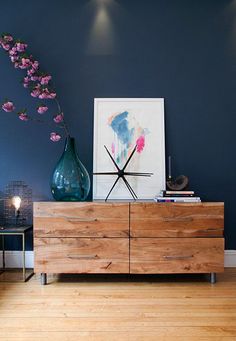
(136, 238)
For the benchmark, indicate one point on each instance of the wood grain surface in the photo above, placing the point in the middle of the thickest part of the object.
(176, 219)
(78, 219)
(176, 255)
(117, 308)
(81, 255)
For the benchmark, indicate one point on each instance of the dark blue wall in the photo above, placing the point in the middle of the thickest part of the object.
(184, 51)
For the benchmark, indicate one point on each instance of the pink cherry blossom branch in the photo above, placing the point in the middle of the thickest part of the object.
(38, 82)
(63, 121)
(25, 117)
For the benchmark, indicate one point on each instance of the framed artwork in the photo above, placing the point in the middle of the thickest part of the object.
(125, 126)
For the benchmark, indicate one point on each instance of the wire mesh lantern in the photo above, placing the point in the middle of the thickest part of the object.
(18, 204)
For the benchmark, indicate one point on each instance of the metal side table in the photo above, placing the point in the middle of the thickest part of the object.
(15, 231)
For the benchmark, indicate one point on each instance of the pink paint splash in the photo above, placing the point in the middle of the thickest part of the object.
(113, 148)
(140, 143)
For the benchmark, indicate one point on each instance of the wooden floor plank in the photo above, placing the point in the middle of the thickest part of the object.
(168, 308)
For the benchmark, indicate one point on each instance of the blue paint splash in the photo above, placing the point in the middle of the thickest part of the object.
(120, 126)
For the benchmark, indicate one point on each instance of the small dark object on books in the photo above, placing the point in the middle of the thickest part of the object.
(178, 184)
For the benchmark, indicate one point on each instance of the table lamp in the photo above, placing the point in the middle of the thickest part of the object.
(16, 202)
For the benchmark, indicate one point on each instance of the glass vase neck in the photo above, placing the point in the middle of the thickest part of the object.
(70, 143)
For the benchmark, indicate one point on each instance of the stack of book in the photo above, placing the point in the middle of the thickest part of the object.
(177, 196)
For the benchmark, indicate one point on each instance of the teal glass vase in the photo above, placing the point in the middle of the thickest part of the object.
(70, 180)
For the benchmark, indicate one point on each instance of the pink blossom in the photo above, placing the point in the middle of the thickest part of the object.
(26, 82)
(58, 118)
(55, 137)
(14, 58)
(35, 92)
(21, 47)
(44, 94)
(34, 78)
(23, 116)
(25, 63)
(42, 109)
(16, 65)
(30, 72)
(8, 38)
(8, 106)
(6, 46)
(35, 65)
(140, 143)
(47, 94)
(13, 51)
(52, 95)
(45, 79)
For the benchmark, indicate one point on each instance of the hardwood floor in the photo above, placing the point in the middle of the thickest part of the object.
(107, 308)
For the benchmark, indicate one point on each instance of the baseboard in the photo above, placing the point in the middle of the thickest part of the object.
(230, 258)
(14, 259)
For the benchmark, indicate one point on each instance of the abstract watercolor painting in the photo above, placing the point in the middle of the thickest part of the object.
(126, 133)
(120, 124)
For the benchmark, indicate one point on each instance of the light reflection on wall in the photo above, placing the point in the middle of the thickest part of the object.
(102, 36)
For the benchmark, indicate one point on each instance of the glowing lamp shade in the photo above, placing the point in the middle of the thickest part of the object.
(16, 202)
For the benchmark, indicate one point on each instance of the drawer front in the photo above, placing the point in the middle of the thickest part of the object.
(176, 255)
(73, 219)
(176, 220)
(81, 255)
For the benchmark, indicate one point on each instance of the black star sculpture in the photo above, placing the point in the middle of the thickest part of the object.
(121, 173)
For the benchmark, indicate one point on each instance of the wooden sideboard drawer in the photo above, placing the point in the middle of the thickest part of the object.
(76, 219)
(176, 255)
(176, 219)
(82, 255)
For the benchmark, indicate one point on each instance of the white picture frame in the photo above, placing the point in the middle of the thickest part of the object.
(120, 124)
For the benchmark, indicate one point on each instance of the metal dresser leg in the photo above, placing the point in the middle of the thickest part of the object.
(213, 277)
(43, 279)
